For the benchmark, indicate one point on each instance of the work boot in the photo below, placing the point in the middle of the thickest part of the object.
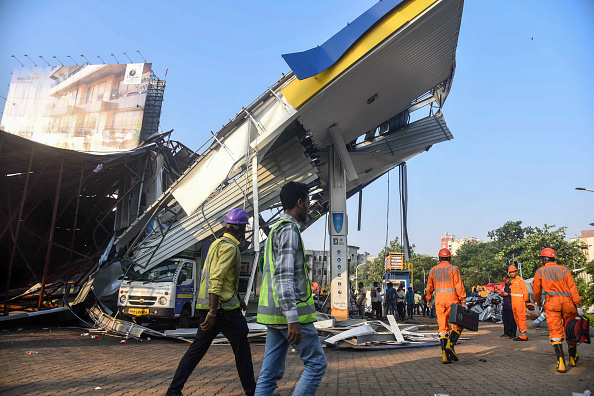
(445, 358)
(451, 341)
(573, 355)
(504, 335)
(519, 339)
(558, 345)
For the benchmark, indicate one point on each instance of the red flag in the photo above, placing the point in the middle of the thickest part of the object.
(166, 72)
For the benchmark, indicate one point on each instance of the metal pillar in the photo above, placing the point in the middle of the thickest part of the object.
(51, 234)
(338, 229)
(16, 234)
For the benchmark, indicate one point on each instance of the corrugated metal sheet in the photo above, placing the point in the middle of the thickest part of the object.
(288, 163)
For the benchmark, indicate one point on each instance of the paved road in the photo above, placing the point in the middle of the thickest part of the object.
(70, 364)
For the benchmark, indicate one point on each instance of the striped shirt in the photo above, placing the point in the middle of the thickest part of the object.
(290, 281)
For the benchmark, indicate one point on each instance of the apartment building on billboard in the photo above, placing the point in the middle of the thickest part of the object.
(449, 241)
(83, 107)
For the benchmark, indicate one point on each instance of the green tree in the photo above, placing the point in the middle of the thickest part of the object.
(479, 263)
(422, 262)
(586, 290)
(527, 250)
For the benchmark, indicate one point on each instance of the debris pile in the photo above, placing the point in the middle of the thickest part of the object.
(488, 307)
(344, 334)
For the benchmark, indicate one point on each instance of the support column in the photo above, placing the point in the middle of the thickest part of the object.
(51, 234)
(338, 229)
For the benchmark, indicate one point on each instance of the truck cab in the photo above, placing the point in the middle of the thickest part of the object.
(166, 292)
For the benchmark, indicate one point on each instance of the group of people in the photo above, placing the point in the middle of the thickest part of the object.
(395, 302)
(286, 304)
(552, 280)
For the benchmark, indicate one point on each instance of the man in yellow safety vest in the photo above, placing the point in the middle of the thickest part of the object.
(219, 307)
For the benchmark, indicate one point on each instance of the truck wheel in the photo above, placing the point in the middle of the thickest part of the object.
(184, 319)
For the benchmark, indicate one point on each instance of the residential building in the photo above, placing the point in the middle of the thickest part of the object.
(449, 241)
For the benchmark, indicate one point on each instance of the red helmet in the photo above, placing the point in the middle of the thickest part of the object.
(548, 252)
(512, 268)
(444, 253)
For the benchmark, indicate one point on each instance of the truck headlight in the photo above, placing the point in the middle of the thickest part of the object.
(162, 300)
(123, 298)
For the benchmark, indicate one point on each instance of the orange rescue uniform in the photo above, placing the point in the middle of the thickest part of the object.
(519, 296)
(445, 280)
(556, 282)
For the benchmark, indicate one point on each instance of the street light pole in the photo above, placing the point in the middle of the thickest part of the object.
(584, 189)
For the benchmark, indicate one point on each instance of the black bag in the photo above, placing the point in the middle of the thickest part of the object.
(464, 318)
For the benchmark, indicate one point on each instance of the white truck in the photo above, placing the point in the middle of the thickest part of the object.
(167, 292)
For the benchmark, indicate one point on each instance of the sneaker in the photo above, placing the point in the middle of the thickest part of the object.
(519, 339)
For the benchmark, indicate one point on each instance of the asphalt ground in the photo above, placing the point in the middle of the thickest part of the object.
(70, 364)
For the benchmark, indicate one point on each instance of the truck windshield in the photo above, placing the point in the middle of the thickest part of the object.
(162, 273)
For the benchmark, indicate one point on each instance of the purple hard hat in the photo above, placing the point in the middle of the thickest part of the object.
(237, 216)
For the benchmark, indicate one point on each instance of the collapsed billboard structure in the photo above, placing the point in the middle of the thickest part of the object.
(396, 58)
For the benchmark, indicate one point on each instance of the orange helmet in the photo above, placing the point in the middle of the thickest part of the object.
(512, 268)
(444, 253)
(548, 252)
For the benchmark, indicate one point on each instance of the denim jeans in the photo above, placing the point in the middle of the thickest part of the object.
(273, 367)
(391, 309)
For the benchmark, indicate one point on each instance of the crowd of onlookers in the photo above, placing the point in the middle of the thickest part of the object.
(393, 301)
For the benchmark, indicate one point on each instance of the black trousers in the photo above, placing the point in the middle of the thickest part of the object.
(401, 310)
(233, 326)
(509, 323)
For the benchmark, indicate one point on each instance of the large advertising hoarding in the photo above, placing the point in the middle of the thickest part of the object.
(86, 107)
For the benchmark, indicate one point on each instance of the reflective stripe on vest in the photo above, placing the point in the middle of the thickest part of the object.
(445, 290)
(516, 295)
(558, 294)
(269, 311)
(202, 301)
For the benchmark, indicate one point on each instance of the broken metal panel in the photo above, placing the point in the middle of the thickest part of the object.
(286, 164)
(351, 333)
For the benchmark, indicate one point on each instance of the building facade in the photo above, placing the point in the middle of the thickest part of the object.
(318, 263)
(449, 241)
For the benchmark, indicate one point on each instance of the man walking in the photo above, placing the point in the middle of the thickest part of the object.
(563, 303)
(286, 305)
(219, 307)
(445, 281)
(507, 314)
(519, 297)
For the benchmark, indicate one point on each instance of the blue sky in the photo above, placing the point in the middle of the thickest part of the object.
(520, 108)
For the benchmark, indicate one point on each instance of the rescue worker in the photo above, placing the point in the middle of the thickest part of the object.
(219, 307)
(562, 303)
(445, 281)
(519, 298)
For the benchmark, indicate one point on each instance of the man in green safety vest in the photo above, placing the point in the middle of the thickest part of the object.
(286, 303)
(219, 307)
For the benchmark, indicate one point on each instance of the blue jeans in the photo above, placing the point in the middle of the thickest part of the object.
(275, 353)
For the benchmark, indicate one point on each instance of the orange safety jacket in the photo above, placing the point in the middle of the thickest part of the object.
(554, 280)
(445, 280)
(519, 291)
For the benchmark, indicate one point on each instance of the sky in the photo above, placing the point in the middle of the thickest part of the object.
(520, 108)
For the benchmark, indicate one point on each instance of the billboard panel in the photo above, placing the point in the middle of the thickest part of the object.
(86, 107)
